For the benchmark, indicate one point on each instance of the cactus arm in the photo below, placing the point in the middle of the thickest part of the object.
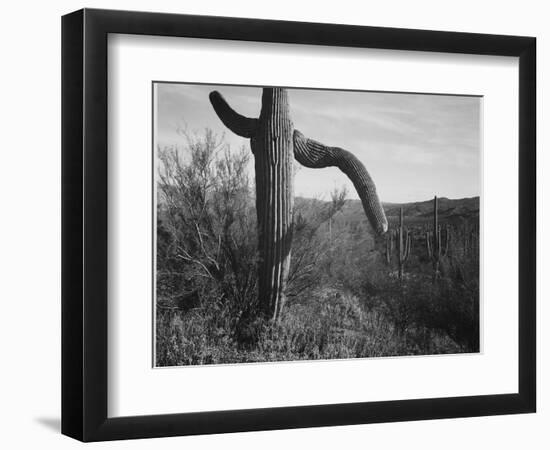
(315, 155)
(238, 124)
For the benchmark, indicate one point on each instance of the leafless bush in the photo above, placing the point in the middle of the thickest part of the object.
(206, 237)
(311, 250)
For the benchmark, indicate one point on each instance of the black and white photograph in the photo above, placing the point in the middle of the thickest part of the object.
(275, 225)
(312, 224)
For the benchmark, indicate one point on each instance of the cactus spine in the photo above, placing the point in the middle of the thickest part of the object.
(435, 246)
(274, 143)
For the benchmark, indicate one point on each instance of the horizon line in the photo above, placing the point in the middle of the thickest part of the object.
(397, 202)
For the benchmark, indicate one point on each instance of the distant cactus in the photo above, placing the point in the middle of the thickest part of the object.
(435, 246)
(470, 239)
(468, 243)
(274, 142)
(474, 239)
(403, 246)
(389, 247)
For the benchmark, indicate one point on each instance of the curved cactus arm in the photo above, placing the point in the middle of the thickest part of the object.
(315, 155)
(238, 124)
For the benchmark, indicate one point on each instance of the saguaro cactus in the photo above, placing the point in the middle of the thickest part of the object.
(435, 246)
(403, 246)
(389, 247)
(274, 143)
(470, 239)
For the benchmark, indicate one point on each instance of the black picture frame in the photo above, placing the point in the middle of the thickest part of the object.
(84, 224)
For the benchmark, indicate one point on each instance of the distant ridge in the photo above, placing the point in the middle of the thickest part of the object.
(415, 213)
(448, 208)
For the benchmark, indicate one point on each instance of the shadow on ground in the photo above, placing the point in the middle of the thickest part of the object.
(52, 423)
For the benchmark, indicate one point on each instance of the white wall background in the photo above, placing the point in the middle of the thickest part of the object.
(30, 225)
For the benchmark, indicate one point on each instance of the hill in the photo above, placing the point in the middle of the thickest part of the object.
(453, 211)
(417, 215)
(448, 208)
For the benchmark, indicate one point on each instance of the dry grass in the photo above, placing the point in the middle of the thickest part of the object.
(329, 325)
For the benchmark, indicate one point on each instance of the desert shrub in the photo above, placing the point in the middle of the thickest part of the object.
(344, 301)
(199, 336)
(313, 242)
(456, 311)
(207, 248)
(326, 325)
(206, 241)
(422, 309)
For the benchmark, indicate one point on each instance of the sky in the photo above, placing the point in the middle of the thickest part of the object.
(414, 146)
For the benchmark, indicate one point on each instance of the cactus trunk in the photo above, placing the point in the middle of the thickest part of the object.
(404, 245)
(273, 152)
(434, 243)
(275, 143)
(389, 247)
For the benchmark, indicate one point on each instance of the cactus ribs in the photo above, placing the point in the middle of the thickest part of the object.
(275, 143)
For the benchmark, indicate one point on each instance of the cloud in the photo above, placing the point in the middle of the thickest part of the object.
(412, 144)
